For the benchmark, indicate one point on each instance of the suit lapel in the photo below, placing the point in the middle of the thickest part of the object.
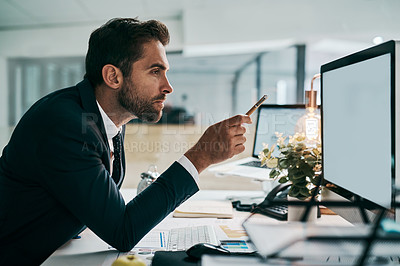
(89, 104)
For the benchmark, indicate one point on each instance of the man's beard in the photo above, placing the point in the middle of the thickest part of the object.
(129, 98)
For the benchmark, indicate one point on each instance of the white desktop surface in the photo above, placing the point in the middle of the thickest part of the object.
(91, 250)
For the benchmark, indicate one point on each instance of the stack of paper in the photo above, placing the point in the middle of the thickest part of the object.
(204, 208)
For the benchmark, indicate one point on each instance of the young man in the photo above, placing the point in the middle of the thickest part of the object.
(64, 164)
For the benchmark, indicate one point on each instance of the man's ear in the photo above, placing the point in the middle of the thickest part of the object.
(112, 76)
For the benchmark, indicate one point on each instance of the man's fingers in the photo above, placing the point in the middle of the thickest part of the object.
(221, 141)
(238, 140)
(238, 130)
(238, 120)
(239, 149)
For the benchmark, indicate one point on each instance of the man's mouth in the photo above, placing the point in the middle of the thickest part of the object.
(160, 100)
(160, 103)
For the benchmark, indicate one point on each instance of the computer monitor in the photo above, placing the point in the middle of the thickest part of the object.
(359, 95)
(277, 118)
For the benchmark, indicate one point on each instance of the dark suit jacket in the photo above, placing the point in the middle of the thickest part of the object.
(54, 180)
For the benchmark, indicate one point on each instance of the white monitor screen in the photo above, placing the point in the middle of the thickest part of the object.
(356, 121)
(276, 119)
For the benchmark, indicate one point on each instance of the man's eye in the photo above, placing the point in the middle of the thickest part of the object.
(156, 71)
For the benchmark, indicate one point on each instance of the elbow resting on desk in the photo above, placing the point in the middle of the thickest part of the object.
(151, 206)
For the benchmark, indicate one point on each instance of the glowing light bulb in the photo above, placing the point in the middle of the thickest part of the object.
(312, 125)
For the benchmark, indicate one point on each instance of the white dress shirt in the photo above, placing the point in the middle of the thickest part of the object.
(112, 130)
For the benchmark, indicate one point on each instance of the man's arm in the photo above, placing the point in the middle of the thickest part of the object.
(74, 174)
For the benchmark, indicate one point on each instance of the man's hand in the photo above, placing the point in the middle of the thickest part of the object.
(219, 142)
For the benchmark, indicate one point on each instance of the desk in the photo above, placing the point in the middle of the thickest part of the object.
(91, 250)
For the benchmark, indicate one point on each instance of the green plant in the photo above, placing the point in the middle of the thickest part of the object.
(298, 162)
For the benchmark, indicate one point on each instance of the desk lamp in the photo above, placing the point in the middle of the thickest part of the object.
(310, 123)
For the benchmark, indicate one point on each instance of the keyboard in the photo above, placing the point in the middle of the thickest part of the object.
(254, 164)
(185, 237)
(279, 212)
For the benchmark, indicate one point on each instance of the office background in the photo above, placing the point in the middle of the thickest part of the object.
(223, 54)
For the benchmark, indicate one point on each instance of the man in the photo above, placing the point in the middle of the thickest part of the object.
(64, 163)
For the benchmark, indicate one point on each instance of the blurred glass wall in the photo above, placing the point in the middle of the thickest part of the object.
(32, 78)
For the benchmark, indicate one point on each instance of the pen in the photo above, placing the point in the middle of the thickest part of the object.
(252, 109)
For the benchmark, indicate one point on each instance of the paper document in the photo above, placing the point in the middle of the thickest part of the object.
(296, 239)
(154, 239)
(236, 168)
(205, 208)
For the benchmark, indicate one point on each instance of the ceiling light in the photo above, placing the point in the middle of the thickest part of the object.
(377, 40)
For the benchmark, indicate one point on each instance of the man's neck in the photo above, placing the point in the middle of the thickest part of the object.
(109, 103)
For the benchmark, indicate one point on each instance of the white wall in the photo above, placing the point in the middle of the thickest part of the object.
(229, 21)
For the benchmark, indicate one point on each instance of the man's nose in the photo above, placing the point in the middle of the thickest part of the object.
(166, 86)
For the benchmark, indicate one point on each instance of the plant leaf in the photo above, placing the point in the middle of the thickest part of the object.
(298, 174)
(315, 180)
(304, 191)
(274, 173)
(283, 163)
(294, 191)
(272, 163)
(283, 179)
(301, 182)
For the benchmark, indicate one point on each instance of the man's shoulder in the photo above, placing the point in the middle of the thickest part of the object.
(64, 102)
(59, 98)
(61, 107)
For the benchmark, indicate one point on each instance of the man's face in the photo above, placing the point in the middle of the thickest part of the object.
(144, 91)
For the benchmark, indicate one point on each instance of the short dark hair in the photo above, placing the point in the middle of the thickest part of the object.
(120, 42)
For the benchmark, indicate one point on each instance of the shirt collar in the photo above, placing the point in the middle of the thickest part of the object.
(111, 129)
